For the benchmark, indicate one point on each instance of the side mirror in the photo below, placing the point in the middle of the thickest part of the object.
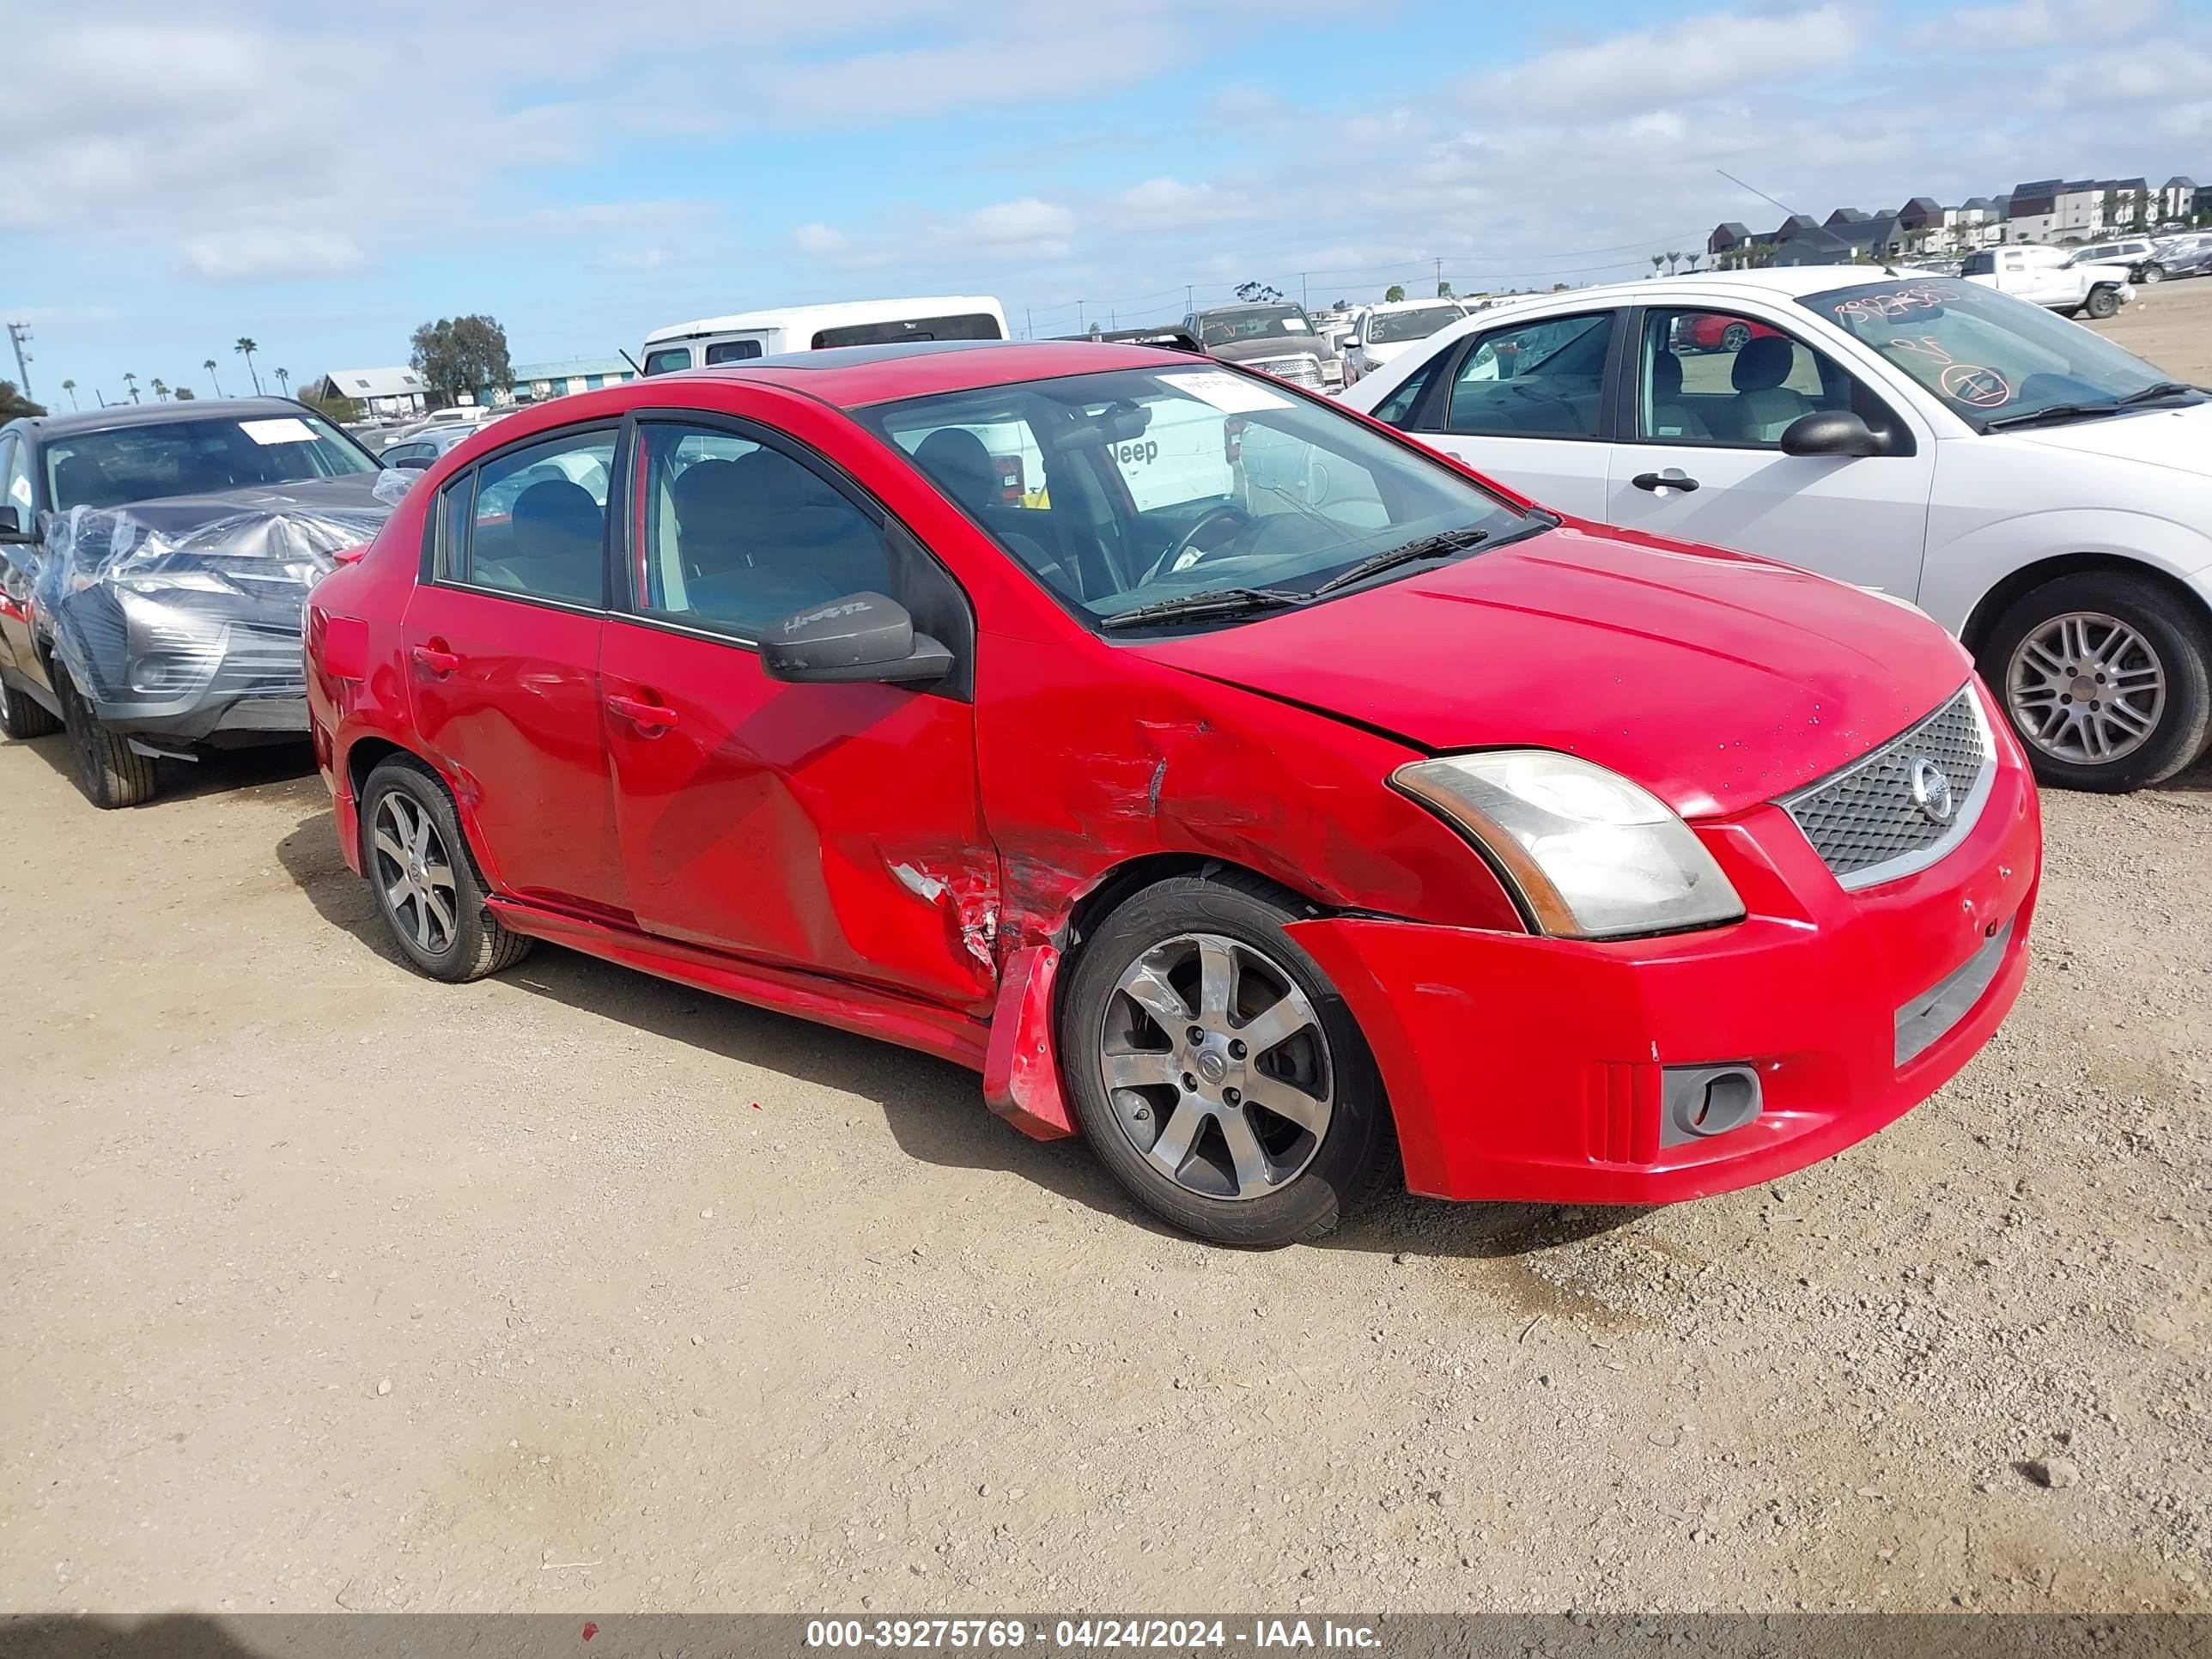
(860, 637)
(411, 464)
(1830, 432)
(11, 524)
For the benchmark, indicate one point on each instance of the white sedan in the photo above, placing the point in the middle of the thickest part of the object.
(2042, 493)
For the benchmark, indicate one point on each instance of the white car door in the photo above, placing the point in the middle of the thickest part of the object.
(1521, 403)
(1699, 454)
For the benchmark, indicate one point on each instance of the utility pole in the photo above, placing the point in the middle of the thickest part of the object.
(1029, 328)
(1188, 289)
(1440, 277)
(1302, 290)
(18, 336)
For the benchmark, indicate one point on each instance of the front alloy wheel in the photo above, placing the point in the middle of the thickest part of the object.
(2106, 678)
(1216, 1072)
(1217, 1067)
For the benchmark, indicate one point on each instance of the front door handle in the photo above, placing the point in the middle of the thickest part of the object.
(1672, 478)
(437, 661)
(650, 718)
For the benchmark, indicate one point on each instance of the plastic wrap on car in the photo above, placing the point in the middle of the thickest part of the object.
(157, 613)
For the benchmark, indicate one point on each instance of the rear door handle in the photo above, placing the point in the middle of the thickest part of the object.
(437, 661)
(650, 718)
(1672, 478)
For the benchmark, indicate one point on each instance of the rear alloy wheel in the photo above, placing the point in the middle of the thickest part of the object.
(1215, 1071)
(2152, 272)
(2102, 302)
(2107, 687)
(425, 880)
(22, 716)
(1736, 336)
(110, 772)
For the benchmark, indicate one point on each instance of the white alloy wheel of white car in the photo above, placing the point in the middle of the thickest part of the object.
(2042, 493)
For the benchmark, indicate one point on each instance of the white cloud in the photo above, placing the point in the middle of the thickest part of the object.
(269, 255)
(1696, 56)
(2035, 23)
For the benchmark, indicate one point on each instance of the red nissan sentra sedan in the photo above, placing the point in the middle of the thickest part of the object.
(1251, 790)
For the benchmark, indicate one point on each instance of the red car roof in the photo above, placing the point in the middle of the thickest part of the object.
(853, 376)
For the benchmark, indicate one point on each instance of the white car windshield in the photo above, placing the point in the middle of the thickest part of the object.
(1134, 488)
(145, 463)
(1996, 360)
(1391, 327)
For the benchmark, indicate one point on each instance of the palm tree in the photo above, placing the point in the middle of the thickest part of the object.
(70, 386)
(160, 391)
(209, 366)
(285, 381)
(1657, 259)
(1692, 261)
(131, 380)
(246, 346)
(1673, 260)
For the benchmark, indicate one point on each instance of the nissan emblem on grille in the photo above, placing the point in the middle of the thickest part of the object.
(1902, 806)
(1931, 790)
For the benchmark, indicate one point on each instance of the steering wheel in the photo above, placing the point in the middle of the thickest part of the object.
(1172, 558)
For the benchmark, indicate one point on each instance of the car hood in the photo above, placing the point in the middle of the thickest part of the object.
(2178, 439)
(1281, 345)
(1714, 679)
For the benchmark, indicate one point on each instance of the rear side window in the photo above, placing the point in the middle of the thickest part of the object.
(731, 351)
(538, 526)
(668, 360)
(1542, 379)
(976, 326)
(1398, 408)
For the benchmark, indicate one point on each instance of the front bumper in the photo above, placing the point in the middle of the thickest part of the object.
(185, 674)
(1536, 1069)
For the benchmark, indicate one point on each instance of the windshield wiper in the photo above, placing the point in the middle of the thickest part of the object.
(1440, 545)
(1213, 602)
(2051, 412)
(2158, 389)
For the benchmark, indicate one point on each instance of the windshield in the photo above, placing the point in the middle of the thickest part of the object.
(1990, 356)
(1253, 323)
(1389, 327)
(1133, 487)
(193, 457)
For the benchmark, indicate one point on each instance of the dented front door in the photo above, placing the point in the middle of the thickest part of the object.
(832, 827)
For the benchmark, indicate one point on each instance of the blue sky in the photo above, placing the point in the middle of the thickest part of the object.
(183, 175)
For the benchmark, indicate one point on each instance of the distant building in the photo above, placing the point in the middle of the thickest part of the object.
(2054, 210)
(1727, 238)
(384, 394)
(536, 383)
(2177, 198)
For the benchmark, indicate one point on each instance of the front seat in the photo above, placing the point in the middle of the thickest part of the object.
(958, 464)
(1763, 407)
(1670, 418)
(556, 544)
(955, 458)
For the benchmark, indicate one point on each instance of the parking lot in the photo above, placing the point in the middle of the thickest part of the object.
(331, 1287)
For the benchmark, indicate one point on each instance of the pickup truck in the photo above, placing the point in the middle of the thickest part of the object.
(2049, 277)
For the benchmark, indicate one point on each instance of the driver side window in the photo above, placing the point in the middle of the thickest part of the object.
(1711, 377)
(1541, 380)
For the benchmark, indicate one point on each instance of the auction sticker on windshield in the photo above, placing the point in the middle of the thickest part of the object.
(1230, 393)
(287, 430)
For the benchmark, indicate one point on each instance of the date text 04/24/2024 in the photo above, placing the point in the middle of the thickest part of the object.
(1156, 1634)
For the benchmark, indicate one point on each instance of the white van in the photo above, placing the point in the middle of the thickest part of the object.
(750, 334)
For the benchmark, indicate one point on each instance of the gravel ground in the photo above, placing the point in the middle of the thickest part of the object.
(322, 1285)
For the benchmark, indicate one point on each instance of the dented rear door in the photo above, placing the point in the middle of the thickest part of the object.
(830, 828)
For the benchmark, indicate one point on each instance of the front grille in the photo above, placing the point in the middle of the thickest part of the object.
(1880, 818)
(1303, 368)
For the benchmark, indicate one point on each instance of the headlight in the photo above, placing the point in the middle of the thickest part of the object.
(1593, 855)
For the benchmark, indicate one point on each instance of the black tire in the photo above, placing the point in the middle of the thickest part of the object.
(110, 772)
(2175, 634)
(474, 943)
(1736, 336)
(1356, 1150)
(2152, 272)
(2102, 302)
(22, 716)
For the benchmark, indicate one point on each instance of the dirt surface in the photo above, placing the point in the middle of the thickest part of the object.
(2171, 323)
(323, 1286)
